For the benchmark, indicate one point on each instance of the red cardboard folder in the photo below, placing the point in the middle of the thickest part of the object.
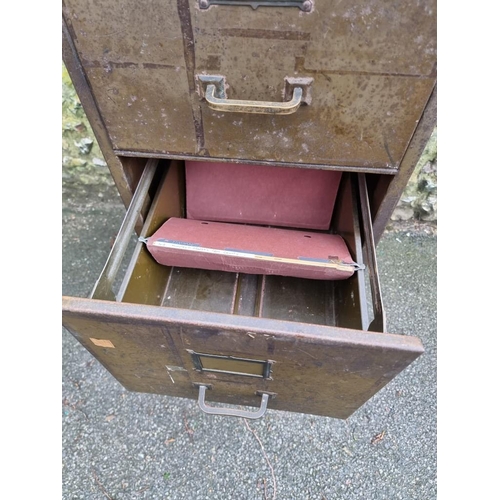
(251, 249)
(260, 194)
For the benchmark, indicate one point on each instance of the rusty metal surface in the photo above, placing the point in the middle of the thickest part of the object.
(324, 370)
(305, 5)
(389, 189)
(372, 65)
(296, 324)
(103, 287)
(144, 280)
(296, 92)
(294, 442)
(378, 323)
(231, 412)
(254, 107)
(350, 300)
(371, 68)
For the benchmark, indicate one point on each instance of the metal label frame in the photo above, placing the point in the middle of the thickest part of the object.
(303, 5)
(198, 364)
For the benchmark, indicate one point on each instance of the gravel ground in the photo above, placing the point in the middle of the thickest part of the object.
(122, 445)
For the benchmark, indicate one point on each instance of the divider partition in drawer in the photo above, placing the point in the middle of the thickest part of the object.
(302, 345)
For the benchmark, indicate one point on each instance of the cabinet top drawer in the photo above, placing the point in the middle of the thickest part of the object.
(364, 70)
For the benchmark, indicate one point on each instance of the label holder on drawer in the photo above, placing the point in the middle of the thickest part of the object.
(231, 365)
(303, 5)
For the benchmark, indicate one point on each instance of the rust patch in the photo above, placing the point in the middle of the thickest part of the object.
(265, 34)
(300, 66)
(125, 64)
(213, 63)
(386, 147)
(189, 58)
(158, 66)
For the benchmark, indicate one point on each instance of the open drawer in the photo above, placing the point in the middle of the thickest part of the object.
(291, 344)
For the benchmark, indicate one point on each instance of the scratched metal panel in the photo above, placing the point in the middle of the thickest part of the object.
(353, 36)
(145, 113)
(369, 126)
(373, 65)
(133, 55)
(324, 370)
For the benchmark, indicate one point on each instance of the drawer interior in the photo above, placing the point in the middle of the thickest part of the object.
(341, 303)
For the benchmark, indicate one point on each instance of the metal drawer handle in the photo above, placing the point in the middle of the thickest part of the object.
(297, 90)
(230, 412)
(260, 107)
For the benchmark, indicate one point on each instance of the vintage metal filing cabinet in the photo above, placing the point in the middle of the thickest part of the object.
(304, 84)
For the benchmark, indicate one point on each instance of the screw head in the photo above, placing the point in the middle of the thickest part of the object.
(307, 6)
(203, 4)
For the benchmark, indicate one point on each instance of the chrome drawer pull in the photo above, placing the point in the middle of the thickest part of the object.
(260, 107)
(230, 412)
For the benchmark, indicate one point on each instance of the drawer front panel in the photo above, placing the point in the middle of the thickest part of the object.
(372, 65)
(324, 371)
(354, 36)
(352, 121)
(149, 111)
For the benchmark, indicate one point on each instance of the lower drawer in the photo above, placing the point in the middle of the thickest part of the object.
(291, 344)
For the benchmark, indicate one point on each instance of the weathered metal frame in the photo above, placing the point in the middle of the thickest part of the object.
(126, 171)
(126, 165)
(378, 323)
(377, 194)
(103, 287)
(388, 189)
(141, 328)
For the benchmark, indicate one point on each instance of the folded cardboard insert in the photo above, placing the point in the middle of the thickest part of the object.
(251, 249)
(261, 194)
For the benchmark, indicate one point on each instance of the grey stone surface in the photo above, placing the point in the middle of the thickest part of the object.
(122, 445)
(419, 200)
